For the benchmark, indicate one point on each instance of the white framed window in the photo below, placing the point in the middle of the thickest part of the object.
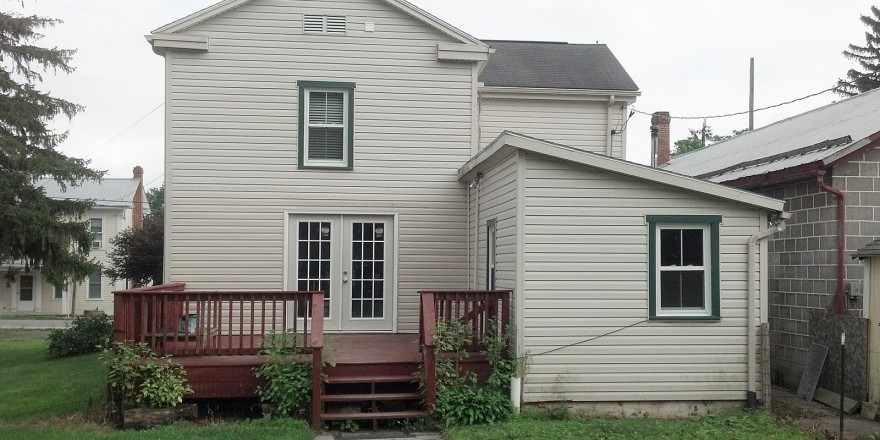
(326, 125)
(684, 267)
(491, 234)
(324, 24)
(58, 293)
(97, 228)
(95, 287)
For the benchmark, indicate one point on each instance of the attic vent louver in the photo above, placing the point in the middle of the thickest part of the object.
(324, 24)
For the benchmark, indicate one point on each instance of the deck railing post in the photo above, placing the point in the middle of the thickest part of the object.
(427, 326)
(317, 343)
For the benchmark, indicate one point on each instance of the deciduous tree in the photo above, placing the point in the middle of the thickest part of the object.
(137, 253)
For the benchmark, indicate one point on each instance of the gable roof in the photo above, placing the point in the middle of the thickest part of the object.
(107, 193)
(509, 142)
(555, 65)
(408, 8)
(823, 136)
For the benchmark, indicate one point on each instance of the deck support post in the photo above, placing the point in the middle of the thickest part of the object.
(316, 388)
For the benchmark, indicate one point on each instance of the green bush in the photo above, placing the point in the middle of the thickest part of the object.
(86, 334)
(135, 374)
(288, 379)
(471, 405)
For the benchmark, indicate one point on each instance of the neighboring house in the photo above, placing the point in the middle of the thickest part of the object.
(117, 202)
(824, 163)
(360, 148)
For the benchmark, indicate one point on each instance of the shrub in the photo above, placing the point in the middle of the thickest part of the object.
(135, 374)
(471, 405)
(288, 379)
(86, 334)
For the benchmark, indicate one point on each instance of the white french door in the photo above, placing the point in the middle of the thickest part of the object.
(350, 258)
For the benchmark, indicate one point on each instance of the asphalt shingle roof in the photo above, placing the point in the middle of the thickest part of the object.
(555, 66)
(116, 193)
(871, 249)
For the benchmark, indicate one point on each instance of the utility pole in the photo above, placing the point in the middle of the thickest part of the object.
(751, 94)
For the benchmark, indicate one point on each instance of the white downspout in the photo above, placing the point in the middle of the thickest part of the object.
(751, 392)
(468, 228)
(608, 137)
(477, 229)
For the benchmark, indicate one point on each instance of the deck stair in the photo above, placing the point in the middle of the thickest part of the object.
(374, 391)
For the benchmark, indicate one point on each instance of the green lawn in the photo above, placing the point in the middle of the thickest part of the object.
(740, 426)
(61, 399)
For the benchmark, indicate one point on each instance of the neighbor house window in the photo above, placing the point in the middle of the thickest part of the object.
(490, 254)
(59, 293)
(326, 125)
(95, 285)
(684, 267)
(97, 227)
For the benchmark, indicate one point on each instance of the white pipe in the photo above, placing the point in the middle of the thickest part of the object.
(468, 227)
(751, 392)
(515, 392)
(477, 230)
(608, 138)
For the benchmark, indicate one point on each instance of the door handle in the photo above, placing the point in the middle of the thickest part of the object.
(345, 276)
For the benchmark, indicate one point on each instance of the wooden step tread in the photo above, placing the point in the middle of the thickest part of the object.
(375, 415)
(371, 379)
(368, 397)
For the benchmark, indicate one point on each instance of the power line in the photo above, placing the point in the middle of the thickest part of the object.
(125, 130)
(812, 95)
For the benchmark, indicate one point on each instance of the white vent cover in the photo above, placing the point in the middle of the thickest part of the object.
(324, 24)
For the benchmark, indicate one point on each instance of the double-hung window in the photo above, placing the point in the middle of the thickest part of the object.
(95, 285)
(326, 125)
(97, 228)
(684, 267)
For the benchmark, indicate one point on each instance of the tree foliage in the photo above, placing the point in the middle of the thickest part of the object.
(137, 253)
(38, 232)
(695, 140)
(156, 200)
(867, 57)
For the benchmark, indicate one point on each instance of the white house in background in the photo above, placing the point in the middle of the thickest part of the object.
(117, 203)
(300, 132)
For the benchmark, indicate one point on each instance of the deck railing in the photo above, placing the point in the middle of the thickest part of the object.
(487, 312)
(177, 322)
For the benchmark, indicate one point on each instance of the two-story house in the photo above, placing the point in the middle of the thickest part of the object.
(116, 204)
(369, 150)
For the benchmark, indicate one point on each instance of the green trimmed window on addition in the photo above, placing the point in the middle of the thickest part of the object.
(684, 257)
(326, 125)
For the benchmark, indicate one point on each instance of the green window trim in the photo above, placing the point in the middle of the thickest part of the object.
(714, 224)
(348, 88)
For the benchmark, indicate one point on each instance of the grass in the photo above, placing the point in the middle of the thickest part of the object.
(737, 425)
(61, 399)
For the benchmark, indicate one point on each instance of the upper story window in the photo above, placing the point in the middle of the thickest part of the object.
(324, 24)
(326, 125)
(684, 267)
(97, 228)
(95, 291)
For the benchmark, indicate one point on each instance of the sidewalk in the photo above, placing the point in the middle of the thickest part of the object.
(33, 324)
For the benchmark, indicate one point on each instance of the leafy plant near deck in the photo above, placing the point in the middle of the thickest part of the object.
(461, 400)
(288, 378)
(135, 374)
(86, 334)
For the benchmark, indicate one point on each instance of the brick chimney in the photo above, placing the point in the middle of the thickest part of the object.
(137, 217)
(660, 126)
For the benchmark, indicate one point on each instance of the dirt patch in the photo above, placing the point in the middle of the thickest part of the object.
(818, 419)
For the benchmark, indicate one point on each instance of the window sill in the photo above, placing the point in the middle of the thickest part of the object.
(686, 318)
(326, 167)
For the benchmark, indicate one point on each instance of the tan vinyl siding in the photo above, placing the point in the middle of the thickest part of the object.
(580, 124)
(498, 202)
(586, 274)
(233, 132)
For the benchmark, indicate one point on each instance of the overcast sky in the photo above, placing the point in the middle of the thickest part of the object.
(690, 58)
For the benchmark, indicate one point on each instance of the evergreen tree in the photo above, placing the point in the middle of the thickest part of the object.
(867, 57)
(37, 232)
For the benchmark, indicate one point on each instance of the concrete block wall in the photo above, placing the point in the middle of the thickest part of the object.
(802, 263)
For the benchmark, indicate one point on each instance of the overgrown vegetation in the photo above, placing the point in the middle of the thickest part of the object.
(86, 334)
(288, 377)
(136, 375)
(461, 399)
(540, 425)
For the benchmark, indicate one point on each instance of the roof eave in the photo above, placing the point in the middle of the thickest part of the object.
(408, 8)
(552, 93)
(508, 142)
